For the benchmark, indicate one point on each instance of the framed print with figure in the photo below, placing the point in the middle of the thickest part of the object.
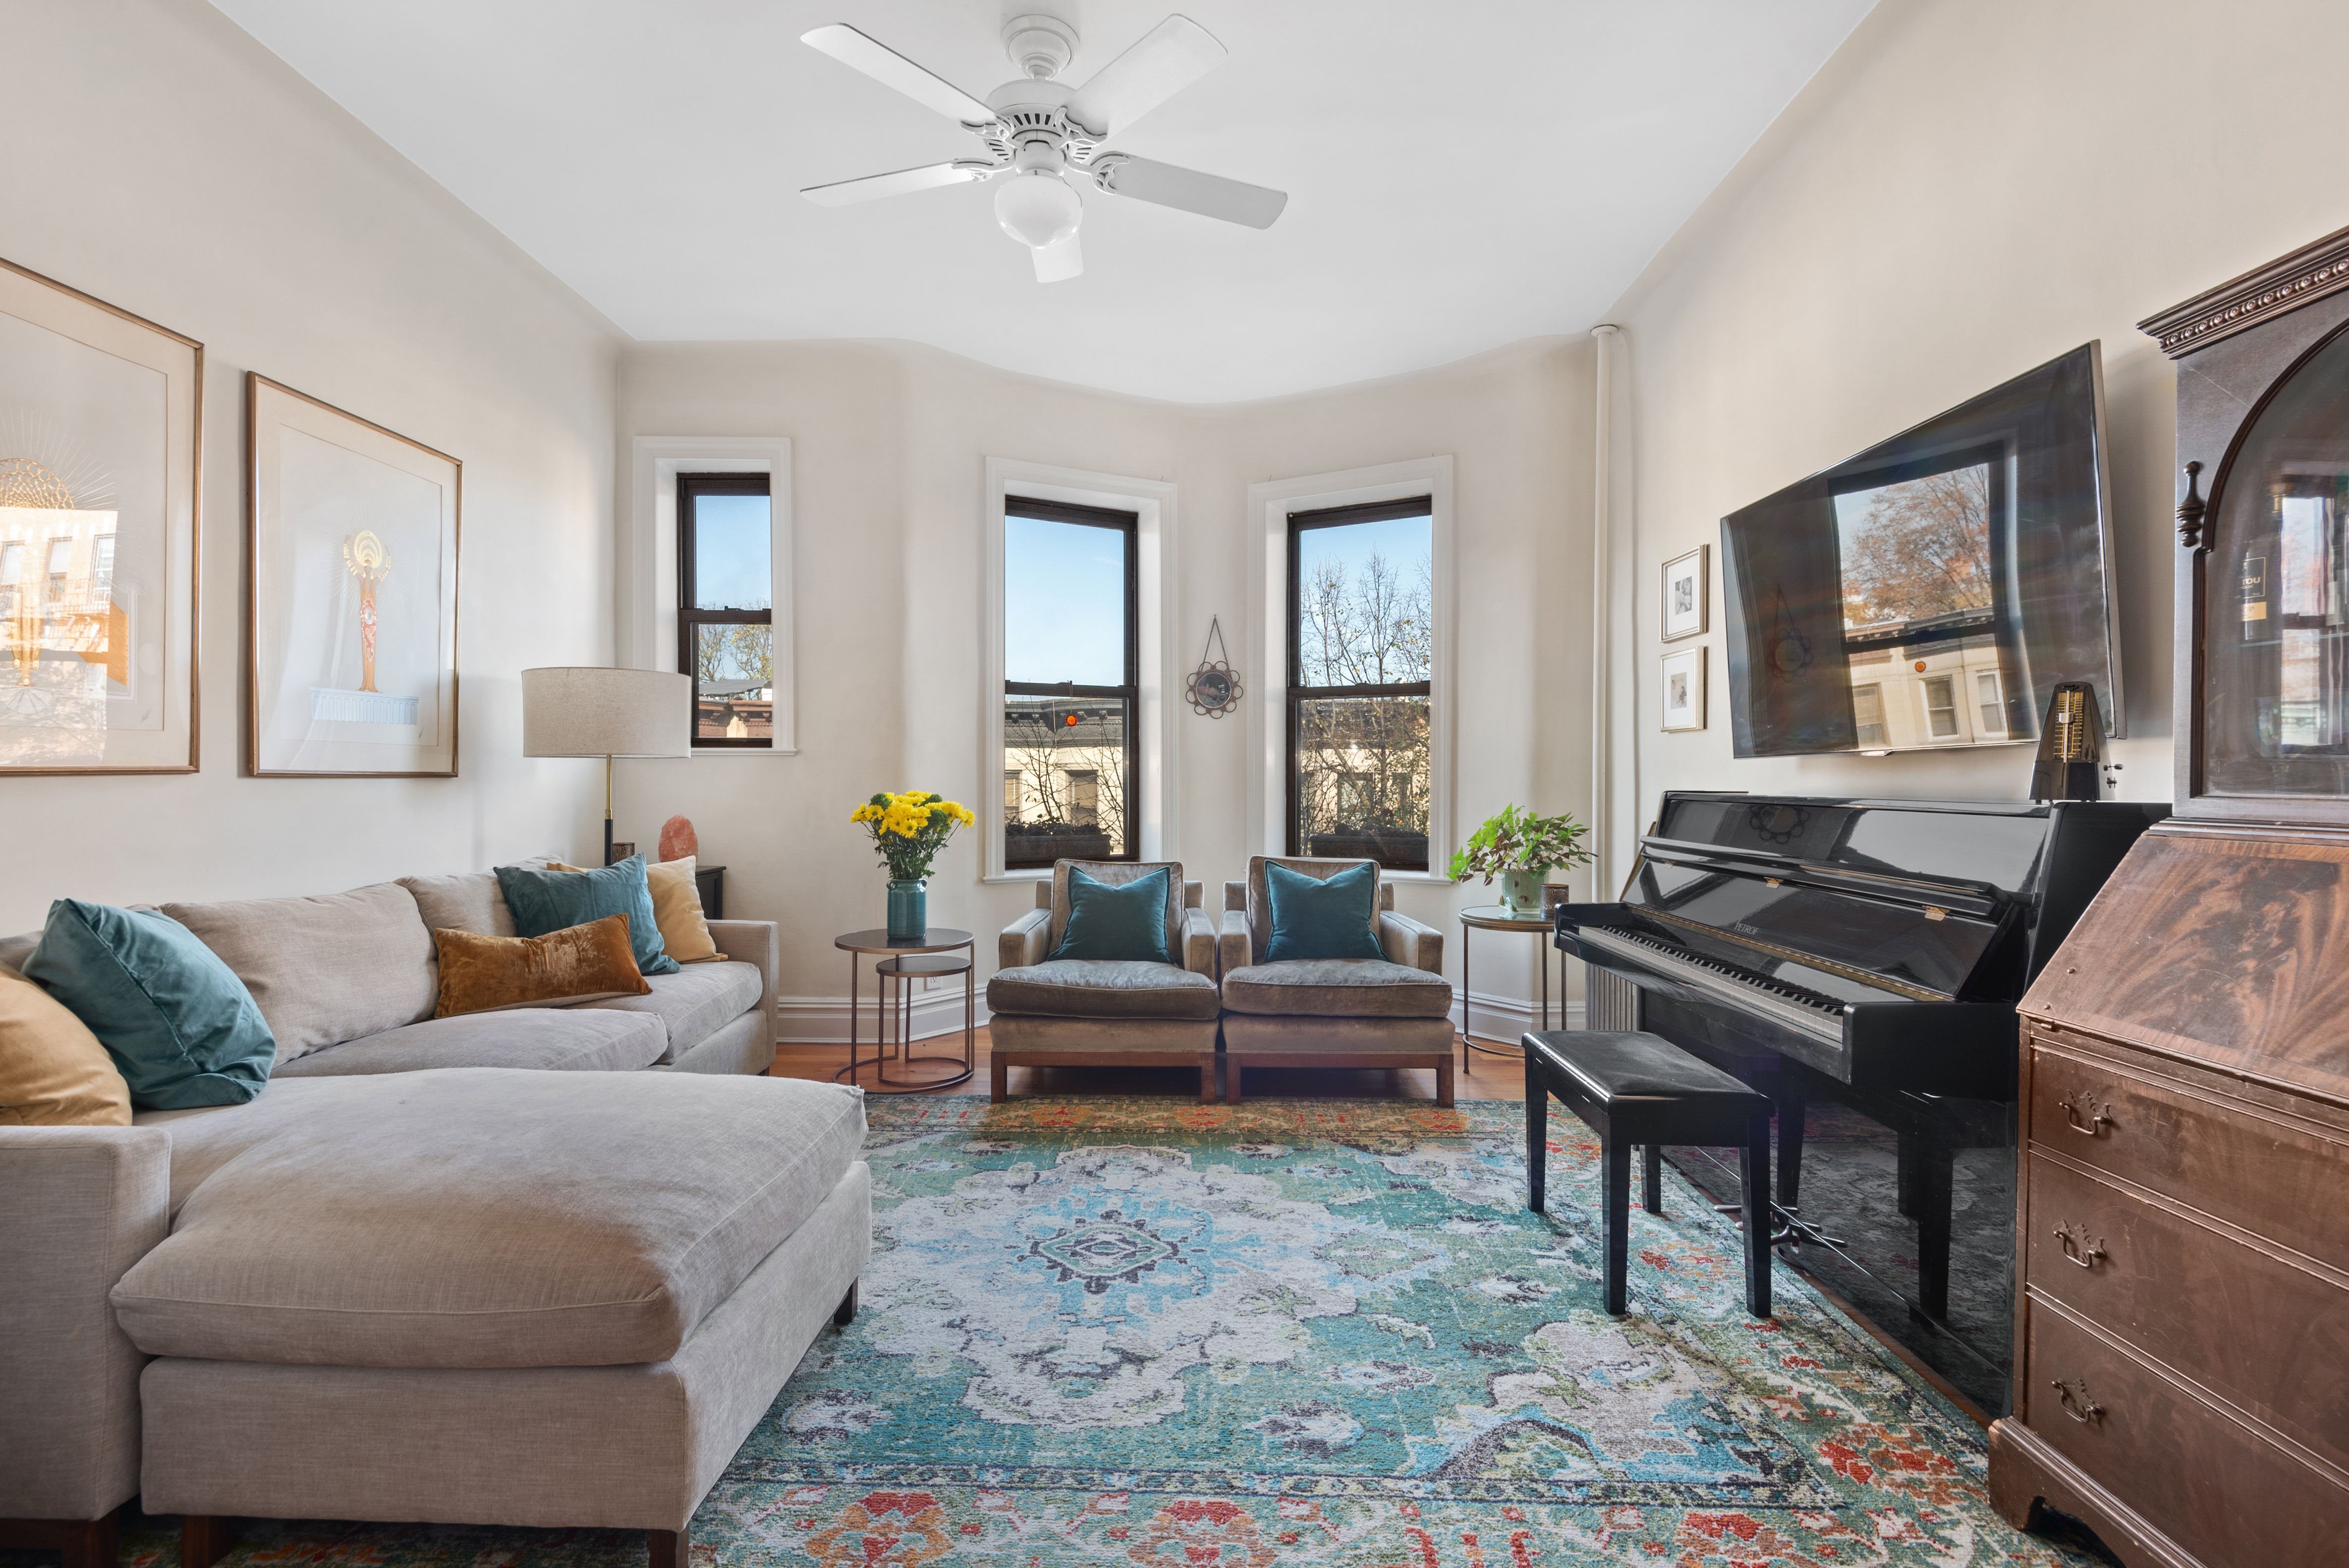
(1685, 689)
(1685, 597)
(351, 640)
(101, 428)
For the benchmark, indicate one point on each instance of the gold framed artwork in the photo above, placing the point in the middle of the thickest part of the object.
(352, 535)
(101, 434)
(1684, 691)
(1685, 595)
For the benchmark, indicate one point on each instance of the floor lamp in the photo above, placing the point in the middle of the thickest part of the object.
(573, 711)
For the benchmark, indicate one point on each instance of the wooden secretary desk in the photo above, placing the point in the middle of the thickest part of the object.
(2182, 1234)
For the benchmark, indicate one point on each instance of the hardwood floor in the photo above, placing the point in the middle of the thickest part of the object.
(1487, 1077)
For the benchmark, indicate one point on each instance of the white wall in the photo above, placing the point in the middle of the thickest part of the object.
(1968, 189)
(889, 446)
(159, 159)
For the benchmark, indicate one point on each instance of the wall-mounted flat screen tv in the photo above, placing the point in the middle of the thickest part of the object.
(1931, 591)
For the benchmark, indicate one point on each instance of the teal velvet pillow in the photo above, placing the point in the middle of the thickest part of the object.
(178, 1023)
(1322, 917)
(544, 902)
(1107, 920)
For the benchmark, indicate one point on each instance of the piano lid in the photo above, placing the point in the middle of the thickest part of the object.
(1994, 850)
(1846, 898)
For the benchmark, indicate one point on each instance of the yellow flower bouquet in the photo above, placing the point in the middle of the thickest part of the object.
(909, 829)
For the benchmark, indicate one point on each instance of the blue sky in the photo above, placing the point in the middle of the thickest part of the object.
(1064, 590)
(1063, 603)
(732, 567)
(1405, 541)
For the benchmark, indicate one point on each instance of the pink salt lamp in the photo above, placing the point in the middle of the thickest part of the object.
(677, 840)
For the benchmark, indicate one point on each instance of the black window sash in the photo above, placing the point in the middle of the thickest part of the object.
(1129, 524)
(690, 487)
(1300, 523)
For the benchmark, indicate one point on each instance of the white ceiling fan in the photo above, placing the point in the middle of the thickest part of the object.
(1041, 134)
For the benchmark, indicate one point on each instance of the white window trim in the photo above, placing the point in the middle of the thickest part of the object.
(647, 587)
(1153, 502)
(1269, 505)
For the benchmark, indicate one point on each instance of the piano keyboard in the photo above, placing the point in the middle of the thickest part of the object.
(1820, 1017)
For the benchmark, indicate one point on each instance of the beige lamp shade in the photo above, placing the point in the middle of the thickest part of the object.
(579, 711)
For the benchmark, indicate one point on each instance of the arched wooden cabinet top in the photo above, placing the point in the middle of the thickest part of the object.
(2263, 573)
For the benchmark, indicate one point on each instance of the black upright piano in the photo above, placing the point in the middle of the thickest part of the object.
(1871, 951)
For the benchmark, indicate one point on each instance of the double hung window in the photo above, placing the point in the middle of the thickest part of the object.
(1940, 706)
(725, 614)
(1071, 658)
(1361, 657)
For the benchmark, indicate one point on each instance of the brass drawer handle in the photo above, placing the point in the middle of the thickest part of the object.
(2086, 1410)
(2098, 1119)
(2077, 1248)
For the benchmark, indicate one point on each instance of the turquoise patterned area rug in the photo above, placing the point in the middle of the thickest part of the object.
(1148, 1334)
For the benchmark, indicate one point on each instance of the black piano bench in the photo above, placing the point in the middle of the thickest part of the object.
(1641, 1089)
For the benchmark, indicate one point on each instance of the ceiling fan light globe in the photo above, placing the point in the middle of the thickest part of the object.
(1038, 209)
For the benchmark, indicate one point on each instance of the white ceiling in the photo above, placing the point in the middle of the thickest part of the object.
(1460, 175)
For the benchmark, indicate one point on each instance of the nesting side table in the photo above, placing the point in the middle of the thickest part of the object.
(1500, 917)
(897, 972)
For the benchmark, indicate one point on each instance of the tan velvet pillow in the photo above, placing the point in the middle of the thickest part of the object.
(676, 909)
(577, 963)
(52, 1071)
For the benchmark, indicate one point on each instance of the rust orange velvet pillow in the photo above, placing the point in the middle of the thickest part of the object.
(577, 963)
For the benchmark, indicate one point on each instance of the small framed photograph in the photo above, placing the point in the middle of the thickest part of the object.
(1685, 689)
(1685, 597)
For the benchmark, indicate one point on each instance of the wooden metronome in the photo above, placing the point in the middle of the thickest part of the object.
(2071, 747)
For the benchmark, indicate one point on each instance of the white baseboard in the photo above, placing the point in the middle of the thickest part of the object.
(1501, 1017)
(823, 1020)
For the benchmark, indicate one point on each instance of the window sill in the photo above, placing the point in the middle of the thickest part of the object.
(1040, 873)
(1415, 877)
(700, 751)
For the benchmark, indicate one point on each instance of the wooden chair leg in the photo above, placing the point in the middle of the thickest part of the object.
(1615, 1206)
(845, 1313)
(81, 1542)
(998, 1079)
(1754, 1203)
(1652, 1177)
(204, 1540)
(668, 1547)
(1444, 1081)
(96, 1545)
(1537, 1135)
(1207, 1078)
(1231, 1080)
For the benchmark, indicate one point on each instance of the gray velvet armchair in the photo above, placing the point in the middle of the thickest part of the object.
(1390, 1012)
(1095, 1012)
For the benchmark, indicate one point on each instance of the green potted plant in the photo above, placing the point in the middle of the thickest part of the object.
(1521, 849)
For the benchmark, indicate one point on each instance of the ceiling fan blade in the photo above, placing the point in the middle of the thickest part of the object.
(1055, 263)
(1209, 195)
(887, 67)
(928, 177)
(1170, 58)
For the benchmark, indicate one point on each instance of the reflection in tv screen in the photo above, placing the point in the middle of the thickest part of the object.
(1932, 591)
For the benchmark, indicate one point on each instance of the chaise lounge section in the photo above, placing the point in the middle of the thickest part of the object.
(421, 1277)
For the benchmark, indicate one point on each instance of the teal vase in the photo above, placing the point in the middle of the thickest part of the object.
(909, 912)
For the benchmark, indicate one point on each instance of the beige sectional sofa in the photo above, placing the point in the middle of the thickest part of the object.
(420, 1277)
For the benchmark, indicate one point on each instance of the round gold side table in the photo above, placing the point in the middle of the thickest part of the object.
(901, 965)
(1500, 917)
